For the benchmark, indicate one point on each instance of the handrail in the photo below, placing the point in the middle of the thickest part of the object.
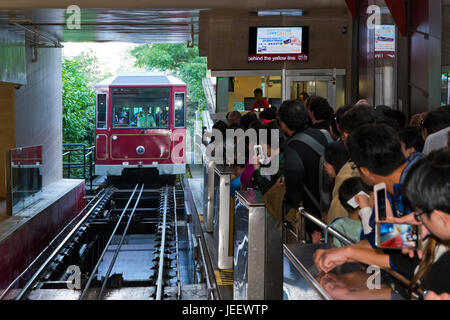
(86, 160)
(328, 229)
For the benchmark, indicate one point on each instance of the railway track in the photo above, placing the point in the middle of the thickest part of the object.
(123, 245)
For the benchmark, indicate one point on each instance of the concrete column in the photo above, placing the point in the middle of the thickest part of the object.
(38, 108)
(7, 130)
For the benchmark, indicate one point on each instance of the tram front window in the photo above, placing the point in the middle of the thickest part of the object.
(140, 107)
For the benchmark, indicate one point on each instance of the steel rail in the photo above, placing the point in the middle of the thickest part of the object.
(66, 239)
(159, 282)
(88, 284)
(176, 243)
(116, 253)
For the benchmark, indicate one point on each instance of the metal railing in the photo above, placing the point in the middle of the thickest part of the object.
(80, 157)
(328, 229)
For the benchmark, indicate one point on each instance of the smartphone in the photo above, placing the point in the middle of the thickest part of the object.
(397, 236)
(379, 192)
(259, 153)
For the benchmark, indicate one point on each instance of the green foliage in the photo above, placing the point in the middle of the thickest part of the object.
(78, 104)
(181, 60)
(79, 75)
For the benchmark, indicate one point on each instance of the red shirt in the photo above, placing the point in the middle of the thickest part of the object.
(263, 104)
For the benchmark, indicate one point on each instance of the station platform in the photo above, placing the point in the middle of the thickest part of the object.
(224, 278)
(24, 235)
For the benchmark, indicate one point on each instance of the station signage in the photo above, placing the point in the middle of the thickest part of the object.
(277, 57)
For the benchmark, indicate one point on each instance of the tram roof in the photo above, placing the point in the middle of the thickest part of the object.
(140, 79)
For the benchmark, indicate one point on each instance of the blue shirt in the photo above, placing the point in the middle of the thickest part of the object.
(399, 209)
(235, 185)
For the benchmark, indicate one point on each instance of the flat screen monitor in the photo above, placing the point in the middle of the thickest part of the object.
(248, 103)
(278, 44)
(275, 102)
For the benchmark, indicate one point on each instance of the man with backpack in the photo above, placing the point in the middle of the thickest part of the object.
(305, 178)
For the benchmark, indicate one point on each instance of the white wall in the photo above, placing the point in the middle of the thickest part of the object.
(38, 108)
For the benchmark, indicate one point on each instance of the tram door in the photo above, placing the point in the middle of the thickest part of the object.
(324, 86)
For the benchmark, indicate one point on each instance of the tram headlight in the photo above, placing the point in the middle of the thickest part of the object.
(140, 150)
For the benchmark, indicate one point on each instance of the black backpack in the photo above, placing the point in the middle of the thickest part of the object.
(325, 182)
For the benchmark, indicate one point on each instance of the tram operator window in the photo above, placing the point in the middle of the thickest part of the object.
(179, 110)
(141, 107)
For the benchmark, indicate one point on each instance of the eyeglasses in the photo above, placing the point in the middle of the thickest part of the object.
(418, 216)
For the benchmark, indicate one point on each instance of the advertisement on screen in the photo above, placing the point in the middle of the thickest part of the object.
(385, 41)
(272, 44)
(279, 40)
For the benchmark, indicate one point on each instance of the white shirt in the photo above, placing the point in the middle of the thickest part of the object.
(436, 141)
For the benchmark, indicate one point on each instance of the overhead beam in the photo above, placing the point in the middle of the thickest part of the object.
(174, 4)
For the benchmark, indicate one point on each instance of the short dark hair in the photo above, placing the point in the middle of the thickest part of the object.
(257, 90)
(340, 112)
(436, 120)
(333, 127)
(412, 138)
(427, 184)
(397, 116)
(357, 116)
(268, 114)
(348, 189)
(320, 108)
(246, 119)
(293, 114)
(376, 147)
(336, 154)
(389, 122)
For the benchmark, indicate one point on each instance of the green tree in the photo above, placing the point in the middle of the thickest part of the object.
(181, 60)
(78, 103)
(79, 75)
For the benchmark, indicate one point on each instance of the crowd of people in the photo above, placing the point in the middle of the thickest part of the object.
(326, 159)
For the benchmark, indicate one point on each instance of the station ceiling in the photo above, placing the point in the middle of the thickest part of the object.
(138, 21)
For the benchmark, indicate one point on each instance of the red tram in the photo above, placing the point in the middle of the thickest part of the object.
(140, 123)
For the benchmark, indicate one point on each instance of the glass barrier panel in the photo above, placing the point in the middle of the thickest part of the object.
(25, 181)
